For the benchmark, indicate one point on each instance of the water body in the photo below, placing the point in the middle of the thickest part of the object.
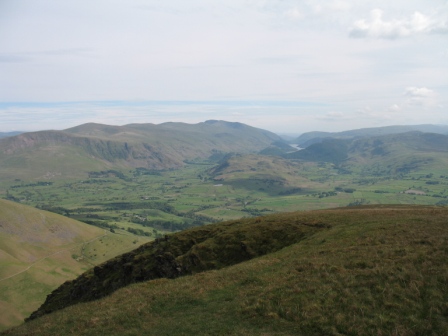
(297, 147)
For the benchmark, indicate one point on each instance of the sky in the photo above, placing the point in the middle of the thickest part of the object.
(288, 66)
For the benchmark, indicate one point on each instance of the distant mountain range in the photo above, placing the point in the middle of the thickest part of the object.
(8, 134)
(74, 151)
(310, 138)
(337, 149)
(94, 147)
(276, 167)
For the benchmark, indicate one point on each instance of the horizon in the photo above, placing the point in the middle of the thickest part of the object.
(203, 121)
(283, 66)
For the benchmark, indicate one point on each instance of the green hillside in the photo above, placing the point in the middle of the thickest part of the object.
(277, 148)
(309, 138)
(393, 153)
(398, 153)
(40, 250)
(407, 168)
(93, 147)
(349, 271)
(329, 150)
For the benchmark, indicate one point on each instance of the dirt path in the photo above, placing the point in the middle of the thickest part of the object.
(50, 255)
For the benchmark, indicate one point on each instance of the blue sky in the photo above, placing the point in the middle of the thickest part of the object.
(287, 66)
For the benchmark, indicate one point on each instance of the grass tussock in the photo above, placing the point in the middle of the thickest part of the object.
(368, 271)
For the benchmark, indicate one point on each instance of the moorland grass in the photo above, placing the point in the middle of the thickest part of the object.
(40, 250)
(373, 270)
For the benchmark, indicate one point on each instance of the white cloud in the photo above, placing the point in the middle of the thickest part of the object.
(420, 96)
(415, 92)
(418, 23)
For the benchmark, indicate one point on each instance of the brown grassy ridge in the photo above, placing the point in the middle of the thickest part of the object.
(361, 271)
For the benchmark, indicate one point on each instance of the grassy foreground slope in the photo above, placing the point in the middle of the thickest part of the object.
(353, 271)
(40, 250)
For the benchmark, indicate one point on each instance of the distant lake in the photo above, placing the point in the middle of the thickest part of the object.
(296, 147)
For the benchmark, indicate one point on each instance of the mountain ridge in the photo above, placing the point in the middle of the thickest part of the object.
(310, 138)
(339, 150)
(94, 146)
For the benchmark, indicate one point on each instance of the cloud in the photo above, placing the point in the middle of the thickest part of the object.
(415, 92)
(377, 27)
(420, 96)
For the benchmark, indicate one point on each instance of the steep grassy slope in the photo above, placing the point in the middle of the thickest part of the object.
(359, 271)
(54, 154)
(75, 151)
(39, 251)
(398, 153)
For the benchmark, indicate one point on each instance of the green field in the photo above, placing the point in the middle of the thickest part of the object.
(153, 203)
(198, 174)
